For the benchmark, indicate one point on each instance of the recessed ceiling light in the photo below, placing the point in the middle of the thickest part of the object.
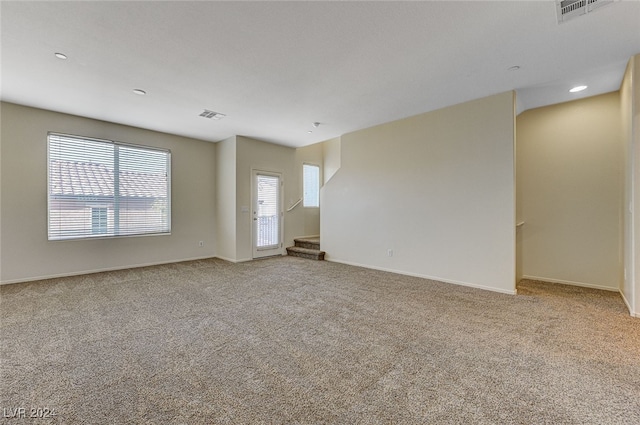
(61, 56)
(309, 131)
(576, 89)
(140, 92)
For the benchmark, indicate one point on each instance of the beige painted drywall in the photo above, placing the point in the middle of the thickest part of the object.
(438, 189)
(253, 154)
(519, 221)
(635, 172)
(26, 253)
(331, 154)
(306, 220)
(519, 270)
(1, 120)
(626, 112)
(257, 155)
(630, 106)
(225, 171)
(569, 188)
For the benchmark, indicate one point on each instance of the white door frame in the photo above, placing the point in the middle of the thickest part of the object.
(266, 252)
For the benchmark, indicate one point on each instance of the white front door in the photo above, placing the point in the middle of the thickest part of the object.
(267, 214)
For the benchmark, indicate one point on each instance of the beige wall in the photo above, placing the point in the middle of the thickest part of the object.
(257, 155)
(306, 220)
(626, 112)
(519, 270)
(635, 175)
(236, 158)
(225, 172)
(630, 106)
(26, 252)
(202, 173)
(210, 185)
(1, 122)
(331, 153)
(438, 189)
(570, 173)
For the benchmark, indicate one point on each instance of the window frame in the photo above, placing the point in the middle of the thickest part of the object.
(88, 231)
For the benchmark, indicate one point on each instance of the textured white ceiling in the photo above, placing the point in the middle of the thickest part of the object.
(276, 67)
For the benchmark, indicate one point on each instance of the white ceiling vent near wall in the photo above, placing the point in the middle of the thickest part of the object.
(570, 9)
(210, 114)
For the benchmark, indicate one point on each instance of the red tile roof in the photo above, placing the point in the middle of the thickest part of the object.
(68, 178)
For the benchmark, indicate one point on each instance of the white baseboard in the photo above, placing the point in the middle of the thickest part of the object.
(628, 304)
(242, 260)
(572, 283)
(439, 279)
(106, 269)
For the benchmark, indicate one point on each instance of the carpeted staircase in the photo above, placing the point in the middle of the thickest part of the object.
(306, 248)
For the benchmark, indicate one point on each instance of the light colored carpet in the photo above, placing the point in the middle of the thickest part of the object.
(288, 340)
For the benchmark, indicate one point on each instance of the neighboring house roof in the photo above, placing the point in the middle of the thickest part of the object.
(69, 178)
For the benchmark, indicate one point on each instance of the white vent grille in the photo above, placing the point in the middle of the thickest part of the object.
(210, 114)
(570, 9)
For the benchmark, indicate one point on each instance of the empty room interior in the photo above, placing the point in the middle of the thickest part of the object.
(320, 212)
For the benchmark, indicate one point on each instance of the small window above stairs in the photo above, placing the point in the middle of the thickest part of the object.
(306, 248)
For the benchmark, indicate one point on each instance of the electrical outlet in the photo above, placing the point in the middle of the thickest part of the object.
(201, 243)
(389, 252)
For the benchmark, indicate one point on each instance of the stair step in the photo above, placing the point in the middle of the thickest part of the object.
(312, 254)
(309, 243)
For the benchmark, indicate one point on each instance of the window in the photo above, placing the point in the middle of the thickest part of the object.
(100, 188)
(99, 221)
(311, 185)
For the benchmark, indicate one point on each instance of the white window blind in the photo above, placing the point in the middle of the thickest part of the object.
(311, 185)
(100, 188)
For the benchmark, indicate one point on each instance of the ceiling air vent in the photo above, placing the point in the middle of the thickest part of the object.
(210, 114)
(570, 9)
